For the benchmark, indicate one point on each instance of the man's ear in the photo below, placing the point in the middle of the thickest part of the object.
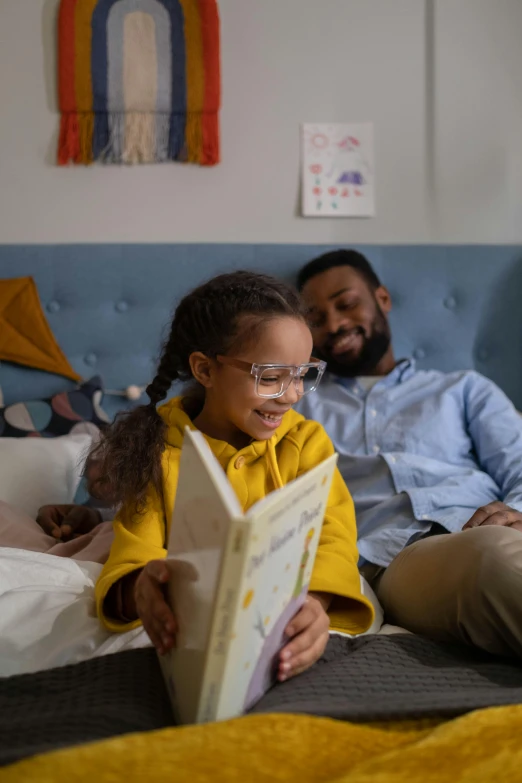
(202, 369)
(383, 298)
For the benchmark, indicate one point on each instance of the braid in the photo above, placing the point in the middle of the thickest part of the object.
(166, 374)
(219, 317)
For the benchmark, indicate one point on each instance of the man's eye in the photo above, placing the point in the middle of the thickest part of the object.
(348, 305)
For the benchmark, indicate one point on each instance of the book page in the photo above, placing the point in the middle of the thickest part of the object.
(279, 562)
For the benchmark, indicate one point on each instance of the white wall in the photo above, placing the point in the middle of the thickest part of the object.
(448, 128)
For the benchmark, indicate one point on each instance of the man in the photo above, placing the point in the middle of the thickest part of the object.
(433, 461)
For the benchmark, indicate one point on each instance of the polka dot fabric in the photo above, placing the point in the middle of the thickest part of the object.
(77, 411)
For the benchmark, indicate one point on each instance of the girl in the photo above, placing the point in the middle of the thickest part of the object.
(243, 341)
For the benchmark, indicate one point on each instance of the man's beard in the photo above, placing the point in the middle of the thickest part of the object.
(373, 348)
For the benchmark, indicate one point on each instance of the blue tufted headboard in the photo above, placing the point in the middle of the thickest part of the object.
(455, 307)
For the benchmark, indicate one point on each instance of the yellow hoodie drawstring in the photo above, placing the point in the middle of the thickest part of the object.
(274, 467)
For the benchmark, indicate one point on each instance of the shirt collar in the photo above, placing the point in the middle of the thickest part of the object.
(403, 370)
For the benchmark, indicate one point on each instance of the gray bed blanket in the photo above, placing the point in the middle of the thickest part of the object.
(380, 678)
(372, 678)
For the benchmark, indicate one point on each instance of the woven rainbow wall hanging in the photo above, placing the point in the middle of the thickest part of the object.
(138, 81)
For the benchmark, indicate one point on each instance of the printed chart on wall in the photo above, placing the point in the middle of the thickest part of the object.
(338, 170)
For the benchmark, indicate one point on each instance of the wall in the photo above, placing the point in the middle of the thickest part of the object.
(440, 79)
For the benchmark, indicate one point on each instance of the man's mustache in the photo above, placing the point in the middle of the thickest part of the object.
(343, 332)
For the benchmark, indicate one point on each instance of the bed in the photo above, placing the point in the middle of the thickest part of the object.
(107, 306)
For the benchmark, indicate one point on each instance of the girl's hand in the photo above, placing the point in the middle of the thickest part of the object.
(152, 607)
(309, 633)
(150, 603)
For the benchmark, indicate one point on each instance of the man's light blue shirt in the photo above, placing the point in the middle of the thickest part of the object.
(419, 447)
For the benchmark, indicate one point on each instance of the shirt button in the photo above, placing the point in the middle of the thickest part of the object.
(373, 412)
(240, 461)
(393, 460)
(425, 516)
(376, 448)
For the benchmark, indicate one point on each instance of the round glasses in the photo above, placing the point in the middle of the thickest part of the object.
(273, 380)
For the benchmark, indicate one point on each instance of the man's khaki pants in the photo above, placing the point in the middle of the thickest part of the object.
(461, 586)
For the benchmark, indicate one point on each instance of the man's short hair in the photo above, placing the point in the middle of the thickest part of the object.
(338, 258)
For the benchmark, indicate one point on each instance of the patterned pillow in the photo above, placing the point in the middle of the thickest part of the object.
(77, 411)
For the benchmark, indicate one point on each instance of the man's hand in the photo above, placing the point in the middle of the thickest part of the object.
(495, 513)
(68, 521)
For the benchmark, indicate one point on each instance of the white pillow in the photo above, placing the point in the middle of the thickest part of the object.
(38, 471)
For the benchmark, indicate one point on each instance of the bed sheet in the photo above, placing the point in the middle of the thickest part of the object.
(48, 617)
(47, 614)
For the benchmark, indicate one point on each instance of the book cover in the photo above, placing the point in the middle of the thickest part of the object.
(238, 579)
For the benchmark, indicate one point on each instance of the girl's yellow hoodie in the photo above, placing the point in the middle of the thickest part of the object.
(254, 471)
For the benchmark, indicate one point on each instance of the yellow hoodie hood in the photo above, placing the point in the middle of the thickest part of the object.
(176, 419)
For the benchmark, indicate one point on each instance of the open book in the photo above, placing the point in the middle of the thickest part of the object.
(238, 579)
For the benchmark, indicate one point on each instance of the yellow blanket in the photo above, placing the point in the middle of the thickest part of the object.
(482, 747)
